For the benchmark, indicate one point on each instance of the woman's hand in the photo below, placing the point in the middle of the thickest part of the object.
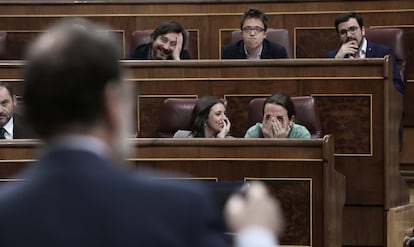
(225, 130)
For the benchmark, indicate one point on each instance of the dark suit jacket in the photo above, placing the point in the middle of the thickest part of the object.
(142, 51)
(76, 198)
(20, 128)
(270, 51)
(379, 51)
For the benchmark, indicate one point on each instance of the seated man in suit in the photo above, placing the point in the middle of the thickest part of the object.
(167, 43)
(77, 194)
(254, 44)
(12, 124)
(351, 32)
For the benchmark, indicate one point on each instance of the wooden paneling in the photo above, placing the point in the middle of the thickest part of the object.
(297, 206)
(311, 28)
(300, 173)
(314, 42)
(364, 223)
(359, 103)
(18, 41)
(407, 157)
(353, 96)
(208, 19)
(310, 23)
(401, 219)
(344, 112)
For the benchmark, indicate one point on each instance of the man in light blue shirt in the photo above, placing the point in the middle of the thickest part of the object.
(278, 120)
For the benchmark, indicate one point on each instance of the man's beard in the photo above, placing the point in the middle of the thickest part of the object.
(159, 50)
(352, 39)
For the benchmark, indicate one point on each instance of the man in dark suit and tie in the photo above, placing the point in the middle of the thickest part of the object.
(12, 124)
(351, 32)
(76, 194)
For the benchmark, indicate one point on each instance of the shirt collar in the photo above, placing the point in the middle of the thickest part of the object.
(363, 50)
(9, 129)
(259, 55)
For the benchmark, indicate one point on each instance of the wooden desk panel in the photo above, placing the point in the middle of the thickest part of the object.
(358, 106)
(299, 172)
(356, 99)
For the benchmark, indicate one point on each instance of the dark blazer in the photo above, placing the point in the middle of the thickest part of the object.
(76, 198)
(270, 51)
(20, 128)
(379, 51)
(142, 53)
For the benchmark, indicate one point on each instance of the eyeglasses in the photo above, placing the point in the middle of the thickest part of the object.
(351, 30)
(252, 29)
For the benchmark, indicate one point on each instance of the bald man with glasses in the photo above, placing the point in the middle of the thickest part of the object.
(254, 45)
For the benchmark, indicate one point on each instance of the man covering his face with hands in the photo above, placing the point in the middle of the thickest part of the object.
(278, 120)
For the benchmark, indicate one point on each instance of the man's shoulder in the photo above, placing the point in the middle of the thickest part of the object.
(273, 50)
(141, 52)
(332, 53)
(272, 45)
(299, 131)
(254, 131)
(17, 119)
(234, 45)
(234, 50)
(167, 184)
(185, 54)
(21, 130)
(175, 189)
(378, 49)
(81, 167)
(376, 45)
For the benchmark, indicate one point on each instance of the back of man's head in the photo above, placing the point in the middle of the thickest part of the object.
(67, 71)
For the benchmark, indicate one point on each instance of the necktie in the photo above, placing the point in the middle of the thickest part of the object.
(2, 132)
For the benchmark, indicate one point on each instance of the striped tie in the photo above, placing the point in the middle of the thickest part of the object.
(2, 132)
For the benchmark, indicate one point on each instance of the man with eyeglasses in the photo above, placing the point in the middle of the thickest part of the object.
(351, 32)
(253, 44)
